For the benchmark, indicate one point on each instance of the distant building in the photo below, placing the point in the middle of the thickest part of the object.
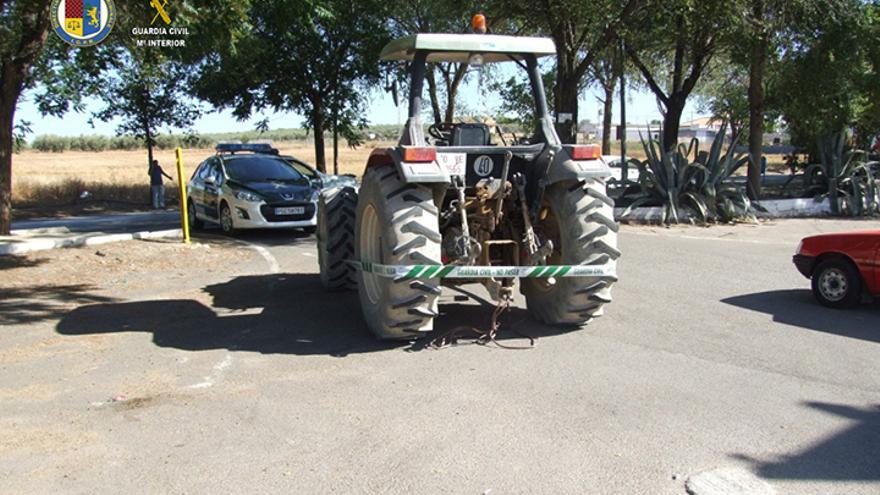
(705, 129)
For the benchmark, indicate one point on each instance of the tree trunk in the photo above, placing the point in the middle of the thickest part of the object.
(606, 118)
(7, 114)
(149, 139)
(452, 86)
(567, 103)
(432, 92)
(756, 104)
(672, 121)
(15, 61)
(318, 130)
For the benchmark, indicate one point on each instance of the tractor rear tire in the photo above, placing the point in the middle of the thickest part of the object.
(397, 224)
(580, 221)
(336, 210)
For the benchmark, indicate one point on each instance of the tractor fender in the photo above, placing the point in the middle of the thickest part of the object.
(563, 168)
(414, 173)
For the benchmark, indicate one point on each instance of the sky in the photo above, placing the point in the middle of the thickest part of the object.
(641, 109)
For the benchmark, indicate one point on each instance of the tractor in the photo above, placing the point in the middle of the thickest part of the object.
(452, 206)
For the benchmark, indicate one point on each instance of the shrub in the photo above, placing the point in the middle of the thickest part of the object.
(670, 180)
(51, 143)
(846, 177)
(126, 143)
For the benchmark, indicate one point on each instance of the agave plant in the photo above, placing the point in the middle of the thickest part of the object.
(845, 176)
(671, 179)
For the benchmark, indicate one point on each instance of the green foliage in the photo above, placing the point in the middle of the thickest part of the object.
(675, 51)
(316, 57)
(517, 102)
(724, 95)
(672, 180)
(828, 74)
(19, 136)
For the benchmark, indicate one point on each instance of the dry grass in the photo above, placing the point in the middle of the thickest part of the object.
(51, 183)
(46, 182)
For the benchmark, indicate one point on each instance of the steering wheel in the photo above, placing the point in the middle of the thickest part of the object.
(441, 131)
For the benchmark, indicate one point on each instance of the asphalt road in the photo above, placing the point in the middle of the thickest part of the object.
(712, 358)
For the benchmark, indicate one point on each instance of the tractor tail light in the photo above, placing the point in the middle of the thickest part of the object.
(419, 155)
(585, 152)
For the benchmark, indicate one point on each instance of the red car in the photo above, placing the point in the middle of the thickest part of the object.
(843, 267)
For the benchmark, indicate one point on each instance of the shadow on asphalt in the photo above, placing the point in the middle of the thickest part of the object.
(280, 313)
(852, 454)
(35, 303)
(797, 307)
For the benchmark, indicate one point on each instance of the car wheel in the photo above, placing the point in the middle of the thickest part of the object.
(194, 222)
(837, 284)
(227, 224)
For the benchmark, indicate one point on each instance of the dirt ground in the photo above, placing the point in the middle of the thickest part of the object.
(57, 280)
(167, 377)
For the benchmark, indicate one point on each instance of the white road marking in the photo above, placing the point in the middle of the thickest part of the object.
(217, 372)
(700, 238)
(727, 481)
(270, 259)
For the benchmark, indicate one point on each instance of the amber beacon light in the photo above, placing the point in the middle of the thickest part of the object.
(478, 23)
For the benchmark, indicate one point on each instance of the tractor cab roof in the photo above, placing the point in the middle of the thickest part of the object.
(459, 47)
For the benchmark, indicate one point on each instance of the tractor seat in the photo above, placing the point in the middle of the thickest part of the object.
(471, 135)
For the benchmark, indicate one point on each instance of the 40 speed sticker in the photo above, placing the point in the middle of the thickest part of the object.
(458, 271)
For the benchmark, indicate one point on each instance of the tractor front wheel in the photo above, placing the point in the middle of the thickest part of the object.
(336, 210)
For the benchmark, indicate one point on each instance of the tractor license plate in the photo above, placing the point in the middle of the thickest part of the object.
(290, 210)
(453, 163)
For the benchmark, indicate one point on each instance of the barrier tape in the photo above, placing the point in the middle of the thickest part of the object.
(460, 271)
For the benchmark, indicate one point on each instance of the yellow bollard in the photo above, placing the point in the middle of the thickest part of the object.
(181, 184)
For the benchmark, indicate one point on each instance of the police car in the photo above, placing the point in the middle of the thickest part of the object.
(247, 186)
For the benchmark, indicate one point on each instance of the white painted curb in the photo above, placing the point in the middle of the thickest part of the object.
(84, 240)
(776, 208)
(795, 208)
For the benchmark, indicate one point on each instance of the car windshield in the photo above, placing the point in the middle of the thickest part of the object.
(303, 169)
(262, 169)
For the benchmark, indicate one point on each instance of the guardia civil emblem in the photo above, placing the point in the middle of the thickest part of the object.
(83, 22)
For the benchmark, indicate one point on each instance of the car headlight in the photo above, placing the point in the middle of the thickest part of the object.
(248, 196)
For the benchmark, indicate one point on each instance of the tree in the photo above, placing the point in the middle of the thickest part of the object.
(764, 25)
(836, 46)
(605, 71)
(145, 87)
(675, 50)
(581, 30)
(724, 96)
(517, 100)
(411, 17)
(147, 91)
(316, 57)
(24, 25)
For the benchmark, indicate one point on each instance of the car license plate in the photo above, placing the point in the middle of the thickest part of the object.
(453, 163)
(290, 210)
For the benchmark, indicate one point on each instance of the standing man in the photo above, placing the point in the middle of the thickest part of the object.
(157, 189)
